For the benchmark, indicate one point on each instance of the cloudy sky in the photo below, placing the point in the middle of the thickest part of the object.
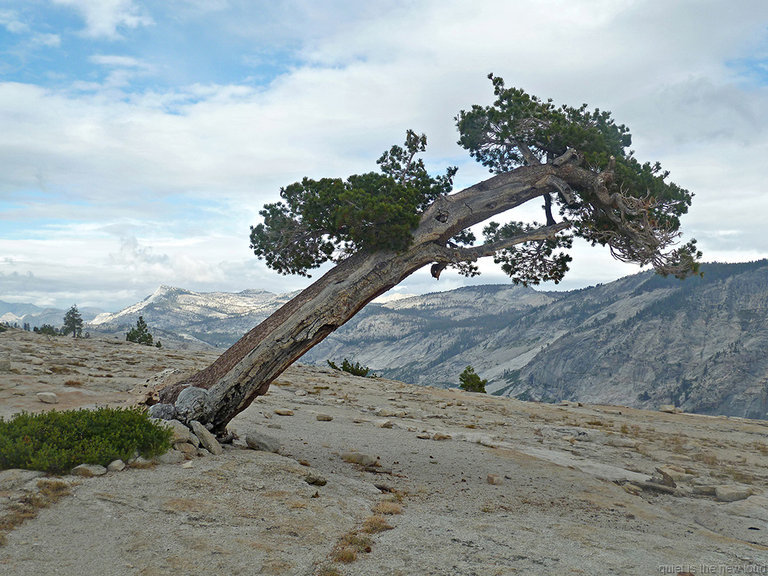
(139, 139)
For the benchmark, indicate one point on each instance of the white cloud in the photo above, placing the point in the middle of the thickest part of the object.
(105, 18)
(46, 40)
(112, 60)
(179, 173)
(9, 19)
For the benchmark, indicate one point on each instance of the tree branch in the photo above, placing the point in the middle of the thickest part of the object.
(470, 254)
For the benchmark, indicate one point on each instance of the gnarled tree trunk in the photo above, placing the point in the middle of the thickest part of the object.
(218, 393)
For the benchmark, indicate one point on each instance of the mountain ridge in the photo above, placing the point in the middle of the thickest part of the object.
(641, 341)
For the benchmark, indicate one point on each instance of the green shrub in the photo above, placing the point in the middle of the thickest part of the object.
(56, 442)
(140, 333)
(355, 369)
(46, 329)
(471, 382)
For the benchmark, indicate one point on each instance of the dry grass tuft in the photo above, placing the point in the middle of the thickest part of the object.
(73, 383)
(344, 555)
(761, 447)
(376, 524)
(49, 492)
(52, 490)
(388, 508)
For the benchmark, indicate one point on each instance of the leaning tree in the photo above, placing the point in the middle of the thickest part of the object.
(380, 227)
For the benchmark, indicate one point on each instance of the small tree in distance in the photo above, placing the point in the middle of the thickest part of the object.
(140, 333)
(355, 369)
(471, 382)
(46, 329)
(73, 322)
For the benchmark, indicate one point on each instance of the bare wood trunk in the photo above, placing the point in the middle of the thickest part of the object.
(218, 393)
(229, 385)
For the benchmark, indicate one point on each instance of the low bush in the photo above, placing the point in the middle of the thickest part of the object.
(56, 442)
(355, 369)
(471, 382)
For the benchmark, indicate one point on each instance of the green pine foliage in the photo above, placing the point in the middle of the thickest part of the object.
(471, 382)
(326, 219)
(46, 329)
(140, 333)
(355, 369)
(608, 198)
(520, 129)
(56, 442)
(73, 323)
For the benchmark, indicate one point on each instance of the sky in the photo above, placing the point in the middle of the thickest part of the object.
(139, 139)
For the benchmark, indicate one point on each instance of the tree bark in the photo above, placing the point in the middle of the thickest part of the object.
(215, 395)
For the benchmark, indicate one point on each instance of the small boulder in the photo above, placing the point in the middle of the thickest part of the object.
(494, 479)
(116, 466)
(162, 411)
(186, 448)
(89, 470)
(207, 440)
(361, 459)
(180, 432)
(315, 480)
(284, 412)
(47, 397)
(263, 442)
(677, 473)
(732, 493)
(324, 417)
(172, 457)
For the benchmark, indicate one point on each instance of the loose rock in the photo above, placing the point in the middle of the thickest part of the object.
(162, 411)
(677, 473)
(357, 458)
(207, 440)
(171, 457)
(732, 493)
(47, 397)
(189, 450)
(263, 442)
(180, 432)
(324, 417)
(88, 470)
(116, 466)
(494, 479)
(283, 412)
(315, 480)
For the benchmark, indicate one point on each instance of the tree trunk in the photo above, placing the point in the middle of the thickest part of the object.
(228, 386)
